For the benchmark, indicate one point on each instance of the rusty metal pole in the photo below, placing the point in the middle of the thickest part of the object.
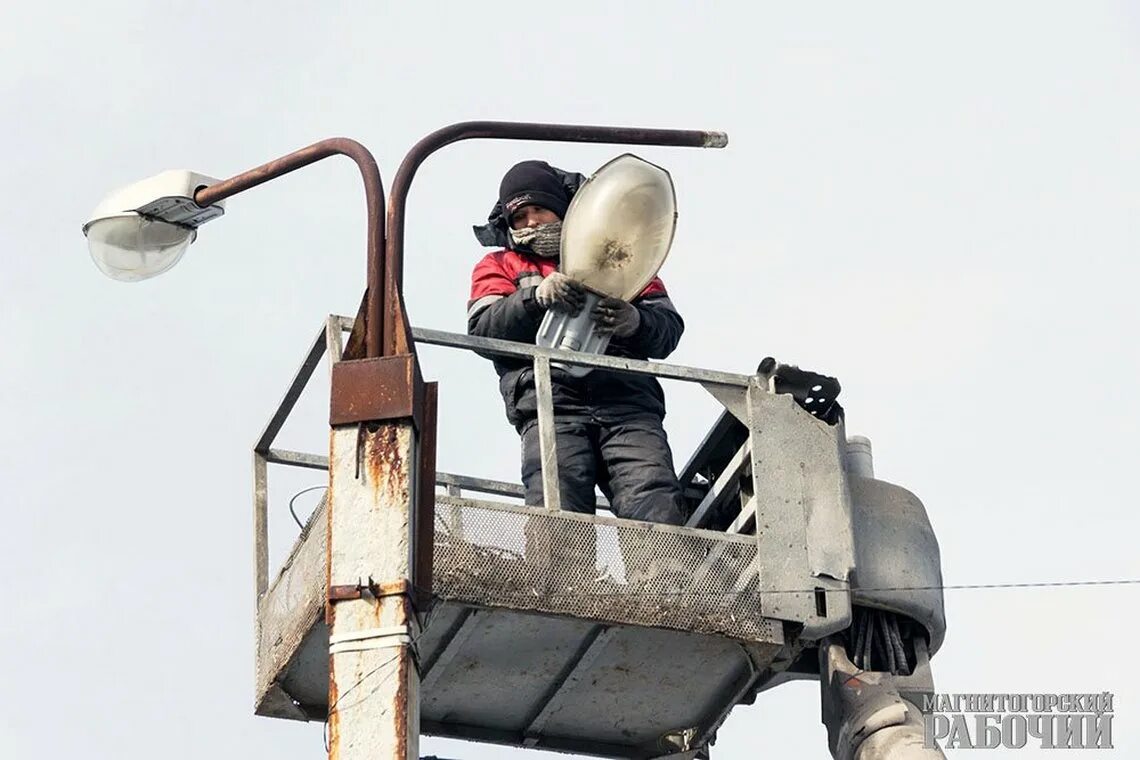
(381, 502)
(380, 505)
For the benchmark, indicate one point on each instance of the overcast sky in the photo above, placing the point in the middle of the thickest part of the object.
(938, 205)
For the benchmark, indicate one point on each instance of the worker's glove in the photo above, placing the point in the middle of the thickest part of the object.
(558, 292)
(616, 316)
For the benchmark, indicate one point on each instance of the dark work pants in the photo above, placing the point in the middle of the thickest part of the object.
(629, 459)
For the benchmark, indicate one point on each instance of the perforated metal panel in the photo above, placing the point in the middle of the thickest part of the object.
(495, 555)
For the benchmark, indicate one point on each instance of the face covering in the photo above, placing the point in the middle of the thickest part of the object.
(544, 240)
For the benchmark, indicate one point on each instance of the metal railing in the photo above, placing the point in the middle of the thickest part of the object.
(730, 389)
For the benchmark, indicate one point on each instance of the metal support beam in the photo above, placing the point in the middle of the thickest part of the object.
(334, 340)
(731, 396)
(260, 525)
(745, 519)
(740, 690)
(449, 647)
(709, 377)
(723, 488)
(592, 646)
(480, 485)
(547, 440)
(297, 459)
(296, 387)
(725, 424)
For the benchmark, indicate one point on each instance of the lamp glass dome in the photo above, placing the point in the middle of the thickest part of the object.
(619, 227)
(130, 247)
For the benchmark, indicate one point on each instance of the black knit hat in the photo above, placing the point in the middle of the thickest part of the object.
(547, 186)
(532, 183)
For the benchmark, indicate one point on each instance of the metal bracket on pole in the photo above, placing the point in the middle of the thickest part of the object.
(383, 389)
(375, 590)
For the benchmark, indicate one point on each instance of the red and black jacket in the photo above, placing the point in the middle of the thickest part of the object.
(503, 305)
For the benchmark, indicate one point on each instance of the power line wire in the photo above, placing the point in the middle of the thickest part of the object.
(293, 511)
(945, 587)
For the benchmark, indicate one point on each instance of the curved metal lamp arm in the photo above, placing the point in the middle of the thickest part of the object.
(386, 330)
(396, 330)
(374, 198)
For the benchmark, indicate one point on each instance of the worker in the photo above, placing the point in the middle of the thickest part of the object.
(608, 425)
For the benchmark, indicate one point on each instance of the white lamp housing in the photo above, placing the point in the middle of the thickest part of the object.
(615, 237)
(143, 229)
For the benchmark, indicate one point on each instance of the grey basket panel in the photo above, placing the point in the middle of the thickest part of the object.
(617, 571)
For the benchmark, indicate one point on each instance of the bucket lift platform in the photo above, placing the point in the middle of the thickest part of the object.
(594, 657)
(618, 638)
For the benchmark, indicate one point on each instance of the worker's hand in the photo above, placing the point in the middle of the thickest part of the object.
(614, 315)
(558, 292)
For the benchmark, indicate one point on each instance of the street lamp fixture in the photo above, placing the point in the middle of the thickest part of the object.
(618, 230)
(142, 230)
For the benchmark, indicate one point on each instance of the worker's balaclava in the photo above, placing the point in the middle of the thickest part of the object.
(530, 183)
(544, 240)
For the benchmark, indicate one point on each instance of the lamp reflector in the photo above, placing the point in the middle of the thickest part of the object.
(143, 229)
(615, 237)
(131, 247)
(619, 227)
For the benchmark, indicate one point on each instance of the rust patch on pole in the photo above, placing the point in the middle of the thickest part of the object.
(332, 715)
(384, 465)
(400, 703)
(400, 708)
